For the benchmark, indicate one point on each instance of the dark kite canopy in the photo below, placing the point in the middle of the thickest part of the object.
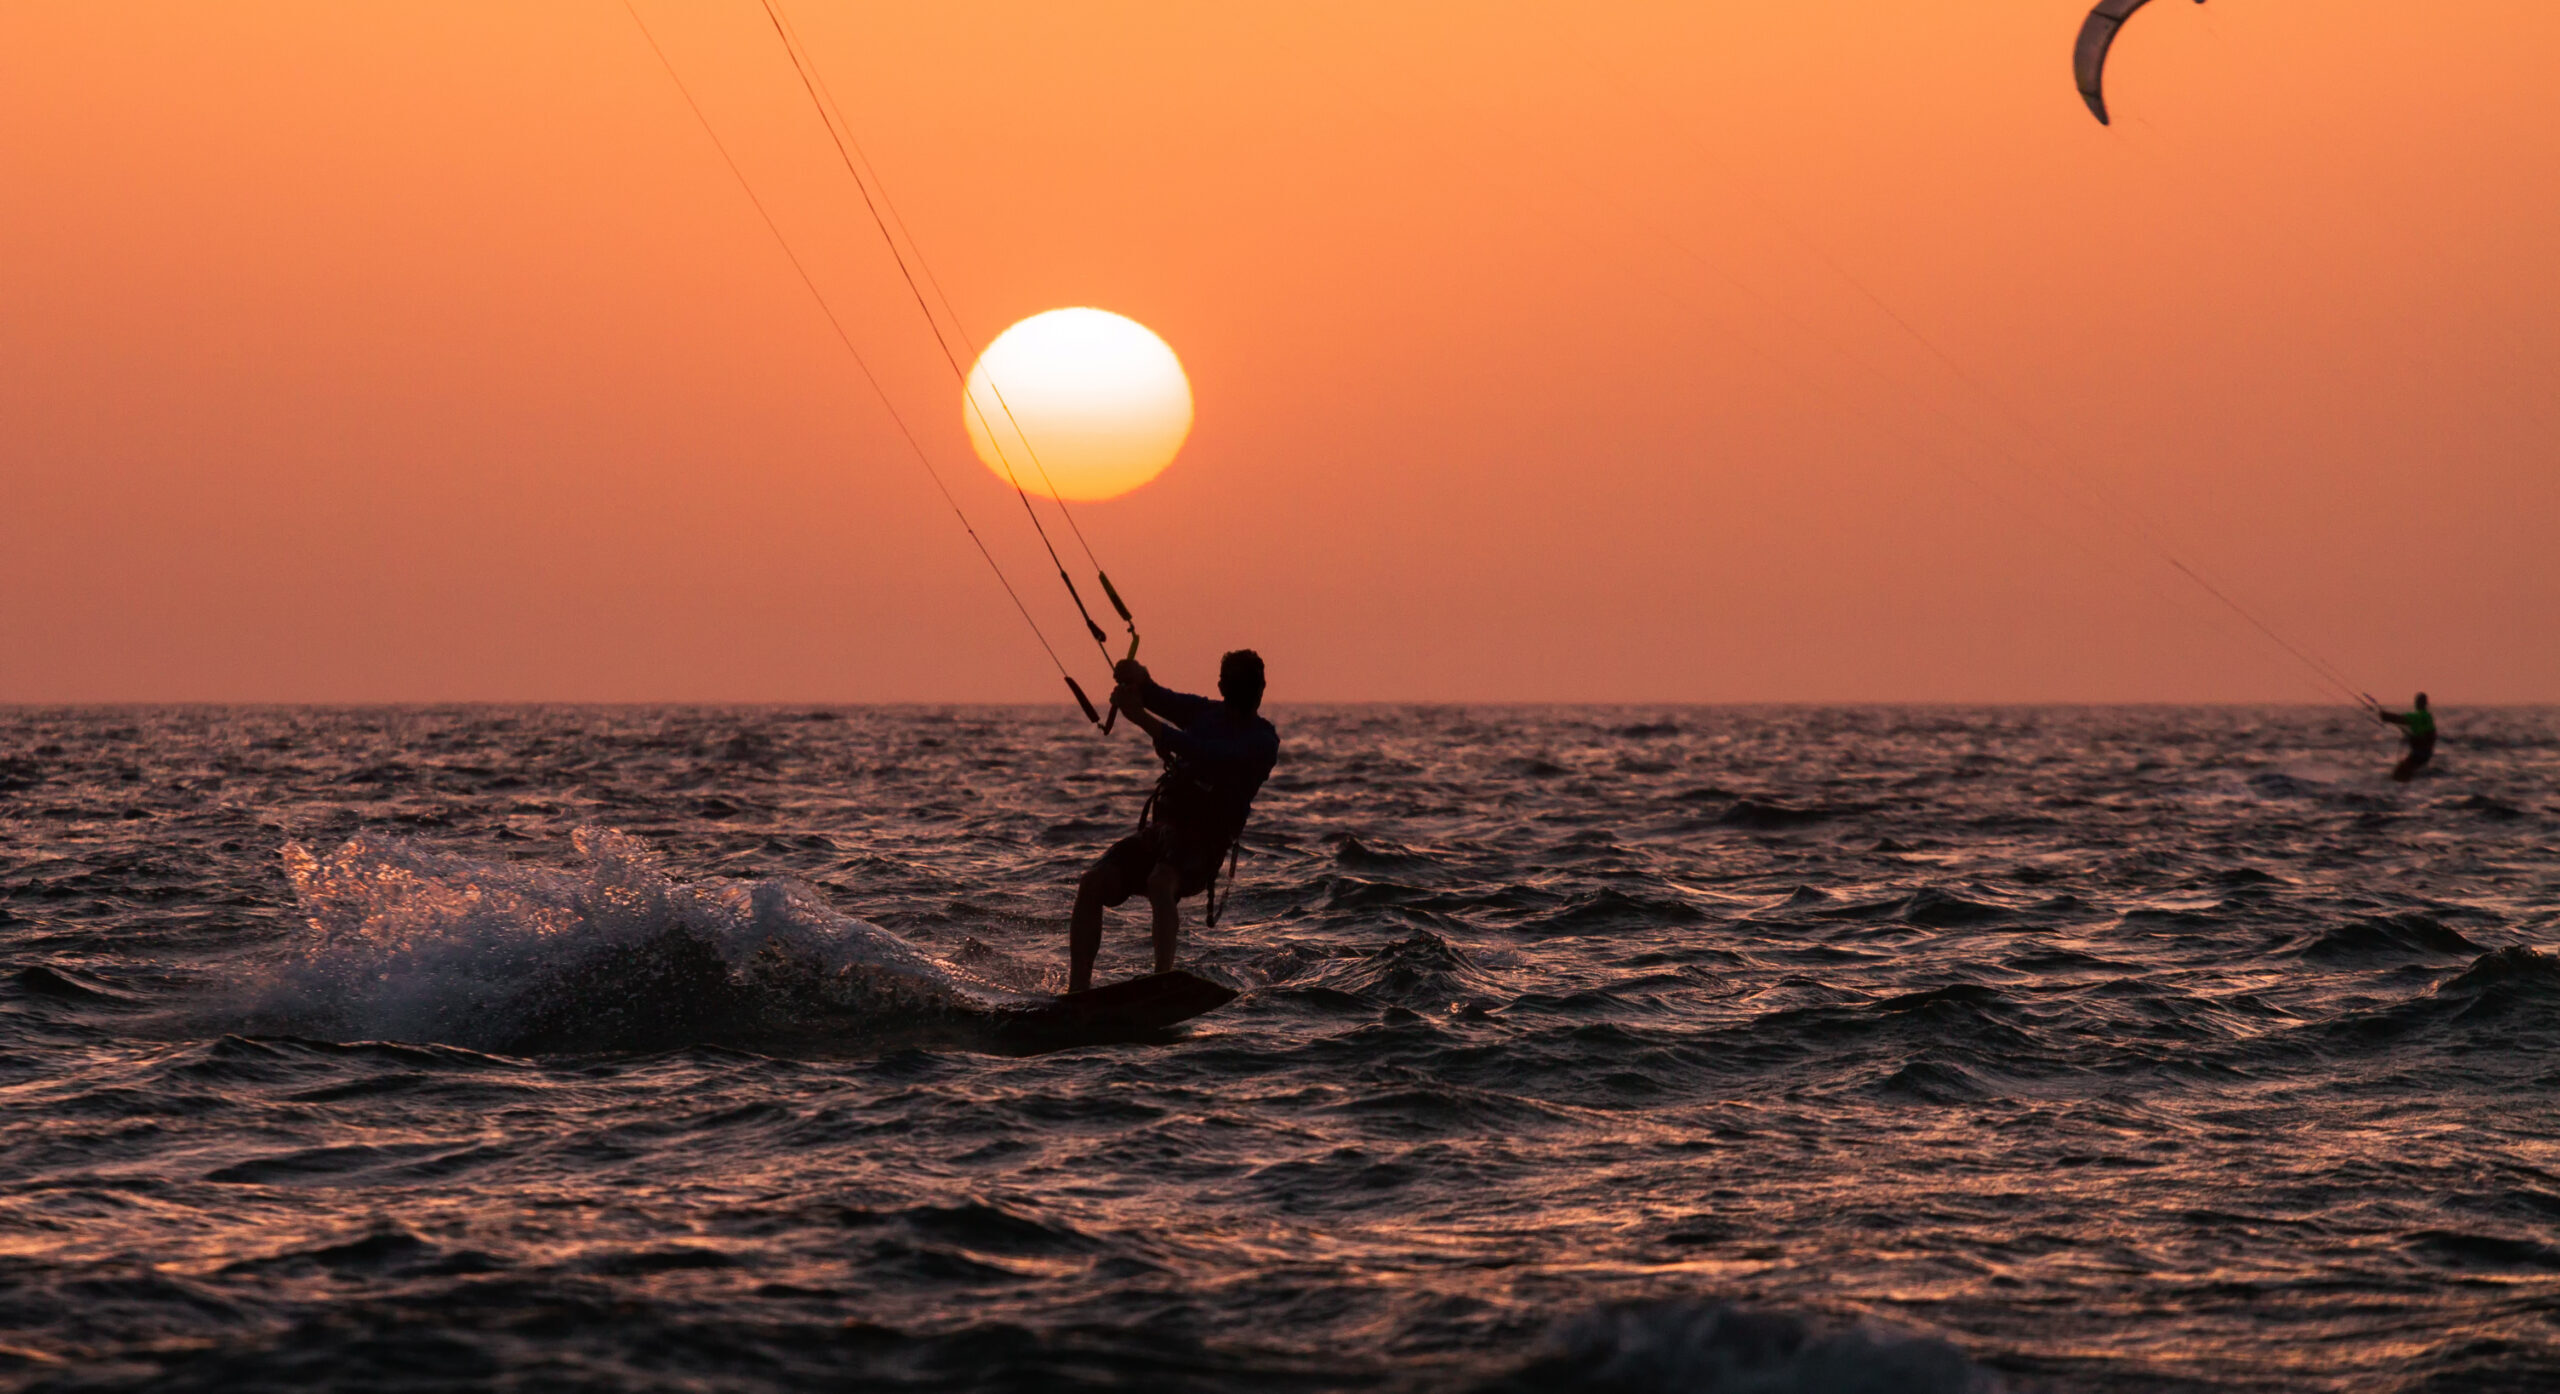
(2089, 56)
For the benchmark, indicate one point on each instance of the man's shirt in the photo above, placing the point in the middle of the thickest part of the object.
(1227, 754)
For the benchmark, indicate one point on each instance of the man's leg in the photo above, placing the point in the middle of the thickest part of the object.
(1164, 892)
(1101, 885)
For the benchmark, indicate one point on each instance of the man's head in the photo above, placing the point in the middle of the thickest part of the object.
(1240, 679)
(2422, 701)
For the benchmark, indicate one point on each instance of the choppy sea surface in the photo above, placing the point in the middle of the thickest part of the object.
(1580, 1049)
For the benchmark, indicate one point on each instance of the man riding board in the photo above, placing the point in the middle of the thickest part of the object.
(1216, 755)
(2419, 725)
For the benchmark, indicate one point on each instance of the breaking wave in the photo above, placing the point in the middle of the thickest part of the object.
(409, 943)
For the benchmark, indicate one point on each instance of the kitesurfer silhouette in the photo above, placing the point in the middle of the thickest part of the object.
(1216, 754)
(2419, 725)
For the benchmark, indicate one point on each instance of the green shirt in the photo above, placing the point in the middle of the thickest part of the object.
(2420, 723)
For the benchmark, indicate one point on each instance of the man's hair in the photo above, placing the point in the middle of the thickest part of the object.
(2422, 699)
(1240, 677)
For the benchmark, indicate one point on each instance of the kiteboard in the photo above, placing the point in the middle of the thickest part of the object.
(1123, 1011)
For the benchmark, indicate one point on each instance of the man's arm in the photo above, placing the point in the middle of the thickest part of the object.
(1131, 699)
(1239, 747)
(1180, 707)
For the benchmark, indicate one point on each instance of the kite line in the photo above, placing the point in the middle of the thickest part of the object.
(844, 337)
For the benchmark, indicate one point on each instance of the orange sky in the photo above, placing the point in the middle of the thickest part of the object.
(424, 351)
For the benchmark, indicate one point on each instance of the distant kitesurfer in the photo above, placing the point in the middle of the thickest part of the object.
(1216, 755)
(2419, 726)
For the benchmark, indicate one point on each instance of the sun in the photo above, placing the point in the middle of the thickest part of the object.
(1101, 400)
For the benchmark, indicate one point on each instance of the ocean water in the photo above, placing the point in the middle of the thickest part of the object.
(1580, 1049)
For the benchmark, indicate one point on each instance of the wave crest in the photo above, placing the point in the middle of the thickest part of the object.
(411, 943)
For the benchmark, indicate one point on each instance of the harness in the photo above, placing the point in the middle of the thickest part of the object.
(1235, 839)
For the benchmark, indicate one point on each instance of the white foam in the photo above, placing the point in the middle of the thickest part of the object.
(411, 943)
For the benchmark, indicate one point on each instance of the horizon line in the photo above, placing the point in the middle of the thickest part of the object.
(830, 704)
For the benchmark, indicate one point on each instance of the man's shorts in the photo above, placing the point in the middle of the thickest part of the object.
(1137, 856)
(2421, 750)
